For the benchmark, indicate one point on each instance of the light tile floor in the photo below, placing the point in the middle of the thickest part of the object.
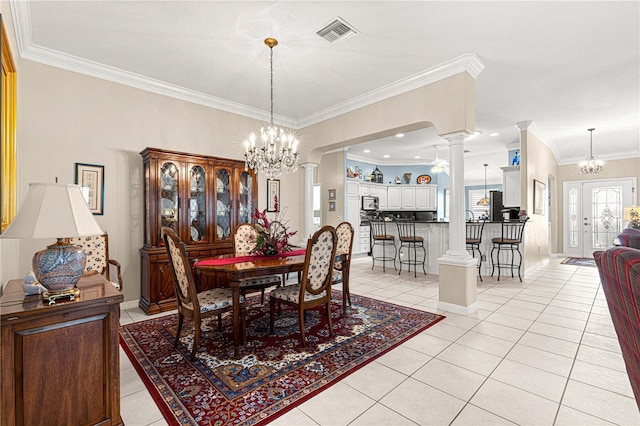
(540, 352)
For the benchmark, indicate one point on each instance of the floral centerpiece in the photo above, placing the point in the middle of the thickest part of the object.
(273, 235)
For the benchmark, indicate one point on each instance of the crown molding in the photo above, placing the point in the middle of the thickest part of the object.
(535, 130)
(469, 63)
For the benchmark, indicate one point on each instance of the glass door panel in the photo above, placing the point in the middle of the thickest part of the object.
(169, 213)
(197, 204)
(223, 204)
(245, 207)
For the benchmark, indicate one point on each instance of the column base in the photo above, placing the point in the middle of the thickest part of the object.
(457, 284)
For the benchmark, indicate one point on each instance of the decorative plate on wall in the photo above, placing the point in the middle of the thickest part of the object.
(423, 179)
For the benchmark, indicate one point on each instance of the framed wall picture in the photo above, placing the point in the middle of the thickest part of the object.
(273, 195)
(538, 197)
(90, 177)
(332, 194)
(332, 206)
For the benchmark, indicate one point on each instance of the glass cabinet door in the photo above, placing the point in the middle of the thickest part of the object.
(223, 204)
(169, 174)
(245, 206)
(197, 205)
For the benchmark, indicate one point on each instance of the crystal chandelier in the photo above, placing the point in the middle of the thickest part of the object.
(591, 164)
(275, 149)
(484, 201)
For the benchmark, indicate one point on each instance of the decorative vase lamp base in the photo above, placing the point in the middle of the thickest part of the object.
(58, 268)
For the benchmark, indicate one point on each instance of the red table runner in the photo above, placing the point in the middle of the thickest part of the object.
(239, 259)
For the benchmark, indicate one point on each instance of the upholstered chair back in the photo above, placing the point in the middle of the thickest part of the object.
(321, 251)
(344, 232)
(244, 239)
(96, 250)
(183, 279)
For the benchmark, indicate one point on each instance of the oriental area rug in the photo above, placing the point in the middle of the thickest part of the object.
(579, 261)
(273, 373)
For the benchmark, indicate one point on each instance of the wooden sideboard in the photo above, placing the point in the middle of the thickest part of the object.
(60, 363)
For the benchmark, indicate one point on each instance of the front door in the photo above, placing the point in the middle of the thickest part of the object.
(594, 214)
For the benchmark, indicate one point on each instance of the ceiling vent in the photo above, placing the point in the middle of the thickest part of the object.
(337, 31)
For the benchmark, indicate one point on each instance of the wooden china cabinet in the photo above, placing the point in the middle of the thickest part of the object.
(202, 199)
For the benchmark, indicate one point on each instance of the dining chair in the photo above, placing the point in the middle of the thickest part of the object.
(412, 242)
(96, 250)
(314, 288)
(342, 263)
(473, 241)
(192, 304)
(380, 237)
(244, 241)
(510, 239)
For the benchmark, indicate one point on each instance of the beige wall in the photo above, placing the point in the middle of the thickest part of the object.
(539, 164)
(331, 173)
(625, 168)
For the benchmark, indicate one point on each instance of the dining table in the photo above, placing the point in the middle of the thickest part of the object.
(230, 270)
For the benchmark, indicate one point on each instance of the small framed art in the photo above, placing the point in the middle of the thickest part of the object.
(273, 195)
(90, 178)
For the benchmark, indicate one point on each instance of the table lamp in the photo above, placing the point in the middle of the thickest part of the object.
(632, 214)
(53, 210)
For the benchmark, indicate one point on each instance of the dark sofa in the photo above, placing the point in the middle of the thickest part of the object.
(619, 269)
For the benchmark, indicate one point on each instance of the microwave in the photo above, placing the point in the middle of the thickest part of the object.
(370, 203)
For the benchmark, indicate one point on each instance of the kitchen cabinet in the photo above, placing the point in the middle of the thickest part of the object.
(353, 188)
(511, 186)
(353, 216)
(380, 191)
(202, 199)
(394, 198)
(365, 189)
(426, 197)
(408, 197)
(411, 197)
(364, 241)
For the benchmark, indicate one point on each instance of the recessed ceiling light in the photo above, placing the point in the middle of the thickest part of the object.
(494, 134)
(366, 151)
(416, 157)
(399, 135)
(386, 156)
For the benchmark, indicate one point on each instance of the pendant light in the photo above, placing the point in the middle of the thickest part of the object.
(275, 149)
(484, 201)
(591, 164)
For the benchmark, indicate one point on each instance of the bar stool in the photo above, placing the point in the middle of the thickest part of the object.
(474, 239)
(380, 237)
(408, 239)
(510, 240)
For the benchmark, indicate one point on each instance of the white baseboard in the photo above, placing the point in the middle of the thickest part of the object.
(458, 309)
(130, 304)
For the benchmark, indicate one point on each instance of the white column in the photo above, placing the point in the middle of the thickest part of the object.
(457, 232)
(308, 200)
(457, 269)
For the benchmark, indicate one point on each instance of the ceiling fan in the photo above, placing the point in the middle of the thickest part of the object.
(439, 165)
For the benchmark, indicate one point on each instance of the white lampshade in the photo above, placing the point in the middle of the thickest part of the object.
(53, 210)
